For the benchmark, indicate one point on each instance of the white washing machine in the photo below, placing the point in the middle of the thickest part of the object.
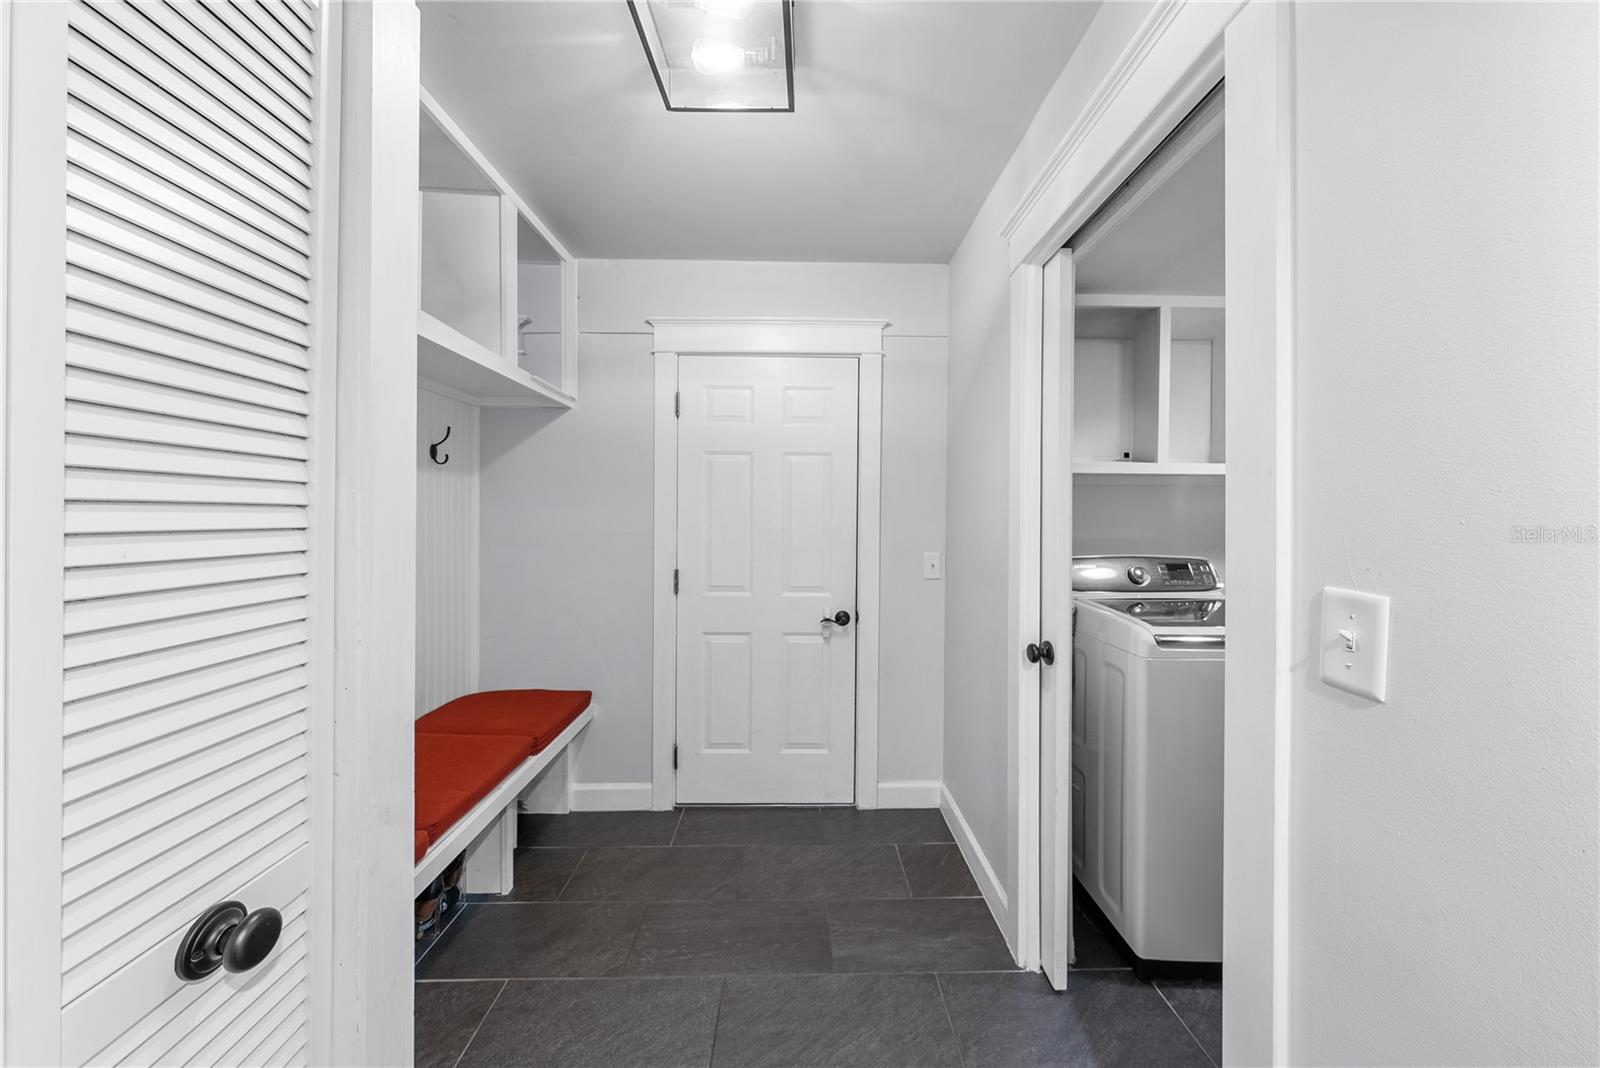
(1148, 644)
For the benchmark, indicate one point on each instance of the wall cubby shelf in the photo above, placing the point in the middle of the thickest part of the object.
(497, 325)
(1148, 387)
(453, 364)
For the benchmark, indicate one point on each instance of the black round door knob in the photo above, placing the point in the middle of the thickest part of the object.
(1047, 653)
(227, 937)
(840, 618)
(1032, 653)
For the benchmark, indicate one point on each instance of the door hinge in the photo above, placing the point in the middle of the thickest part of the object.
(674, 582)
(677, 405)
(674, 757)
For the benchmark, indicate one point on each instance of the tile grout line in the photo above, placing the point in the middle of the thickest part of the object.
(712, 975)
(961, 1057)
(676, 824)
(901, 860)
(644, 911)
(1184, 1024)
(457, 1062)
(748, 901)
(716, 1022)
(581, 858)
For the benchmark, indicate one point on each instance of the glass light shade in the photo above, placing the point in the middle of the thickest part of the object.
(719, 55)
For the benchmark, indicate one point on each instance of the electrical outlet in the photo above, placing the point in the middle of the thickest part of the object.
(932, 567)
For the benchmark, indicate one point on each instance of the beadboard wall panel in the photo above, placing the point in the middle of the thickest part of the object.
(447, 551)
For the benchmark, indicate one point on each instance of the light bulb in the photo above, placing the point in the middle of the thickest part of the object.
(716, 57)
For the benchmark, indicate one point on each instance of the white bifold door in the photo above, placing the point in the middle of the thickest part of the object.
(1057, 725)
(766, 652)
(166, 450)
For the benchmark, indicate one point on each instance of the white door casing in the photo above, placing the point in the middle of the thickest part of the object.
(1055, 624)
(808, 338)
(767, 458)
(1173, 60)
(164, 665)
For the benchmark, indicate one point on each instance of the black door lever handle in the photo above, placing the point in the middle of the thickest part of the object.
(840, 618)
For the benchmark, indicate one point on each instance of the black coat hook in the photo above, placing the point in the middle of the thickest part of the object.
(433, 450)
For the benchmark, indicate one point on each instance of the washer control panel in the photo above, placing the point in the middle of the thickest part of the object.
(1124, 574)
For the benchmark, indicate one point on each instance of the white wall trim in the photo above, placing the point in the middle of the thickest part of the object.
(1175, 59)
(665, 653)
(611, 796)
(374, 557)
(35, 540)
(989, 884)
(778, 337)
(910, 793)
(1149, 31)
(1167, 68)
(862, 338)
(1259, 516)
(869, 518)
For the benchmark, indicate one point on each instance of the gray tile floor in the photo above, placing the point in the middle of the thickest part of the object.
(772, 937)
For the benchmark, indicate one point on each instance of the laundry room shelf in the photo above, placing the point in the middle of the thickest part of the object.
(462, 368)
(1142, 468)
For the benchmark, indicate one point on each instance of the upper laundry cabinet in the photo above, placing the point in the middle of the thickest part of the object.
(498, 319)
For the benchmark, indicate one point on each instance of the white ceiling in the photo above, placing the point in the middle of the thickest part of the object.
(905, 113)
(1171, 243)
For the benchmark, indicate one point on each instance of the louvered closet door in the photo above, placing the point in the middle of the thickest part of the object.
(190, 448)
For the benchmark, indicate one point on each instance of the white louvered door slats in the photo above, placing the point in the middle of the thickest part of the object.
(191, 152)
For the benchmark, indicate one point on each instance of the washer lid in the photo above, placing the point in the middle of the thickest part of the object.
(1176, 625)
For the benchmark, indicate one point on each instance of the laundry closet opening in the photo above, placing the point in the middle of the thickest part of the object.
(1133, 569)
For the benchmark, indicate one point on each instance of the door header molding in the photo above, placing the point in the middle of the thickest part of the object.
(776, 337)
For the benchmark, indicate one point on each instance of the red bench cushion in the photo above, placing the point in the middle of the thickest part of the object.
(421, 840)
(537, 714)
(455, 772)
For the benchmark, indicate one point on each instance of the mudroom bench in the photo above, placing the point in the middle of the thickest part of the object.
(475, 757)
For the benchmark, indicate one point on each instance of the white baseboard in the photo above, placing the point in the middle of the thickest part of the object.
(611, 796)
(910, 793)
(988, 882)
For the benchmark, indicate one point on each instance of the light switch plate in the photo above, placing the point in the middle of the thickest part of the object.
(1355, 641)
(932, 566)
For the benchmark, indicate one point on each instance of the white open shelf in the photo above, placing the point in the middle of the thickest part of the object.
(457, 366)
(488, 264)
(1145, 468)
(1148, 386)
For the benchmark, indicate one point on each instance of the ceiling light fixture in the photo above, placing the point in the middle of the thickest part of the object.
(719, 55)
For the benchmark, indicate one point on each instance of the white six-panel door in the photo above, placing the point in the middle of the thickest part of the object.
(767, 468)
(178, 361)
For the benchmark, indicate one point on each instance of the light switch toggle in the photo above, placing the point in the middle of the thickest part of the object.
(1355, 642)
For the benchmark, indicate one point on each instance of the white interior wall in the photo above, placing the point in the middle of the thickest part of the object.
(567, 517)
(1141, 514)
(1444, 845)
(447, 552)
(976, 657)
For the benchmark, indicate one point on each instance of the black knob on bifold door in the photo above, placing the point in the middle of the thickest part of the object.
(840, 618)
(1047, 653)
(1032, 653)
(227, 937)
